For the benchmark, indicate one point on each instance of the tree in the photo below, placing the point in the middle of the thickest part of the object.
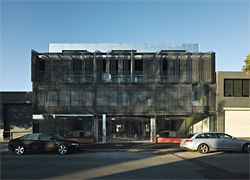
(246, 67)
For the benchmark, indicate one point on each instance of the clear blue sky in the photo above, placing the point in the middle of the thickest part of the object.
(219, 26)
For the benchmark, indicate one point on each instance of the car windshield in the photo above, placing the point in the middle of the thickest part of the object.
(56, 136)
(24, 137)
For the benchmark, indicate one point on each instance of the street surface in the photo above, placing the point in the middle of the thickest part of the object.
(157, 164)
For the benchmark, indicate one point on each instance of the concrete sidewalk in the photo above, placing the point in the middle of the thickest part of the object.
(131, 147)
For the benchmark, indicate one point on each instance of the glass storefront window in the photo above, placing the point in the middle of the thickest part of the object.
(63, 125)
(173, 127)
(127, 129)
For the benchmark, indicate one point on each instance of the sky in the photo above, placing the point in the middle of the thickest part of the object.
(222, 26)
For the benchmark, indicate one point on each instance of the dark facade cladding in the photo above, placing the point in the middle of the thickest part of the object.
(16, 113)
(124, 83)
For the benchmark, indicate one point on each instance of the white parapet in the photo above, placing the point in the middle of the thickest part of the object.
(141, 47)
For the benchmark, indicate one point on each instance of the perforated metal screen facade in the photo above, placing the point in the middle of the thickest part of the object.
(124, 82)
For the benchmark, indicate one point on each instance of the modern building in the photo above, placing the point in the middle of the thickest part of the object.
(233, 103)
(16, 114)
(119, 93)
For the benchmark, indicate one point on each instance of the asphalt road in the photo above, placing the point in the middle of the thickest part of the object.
(158, 164)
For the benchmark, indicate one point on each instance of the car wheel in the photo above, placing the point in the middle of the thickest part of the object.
(19, 150)
(62, 149)
(246, 148)
(203, 148)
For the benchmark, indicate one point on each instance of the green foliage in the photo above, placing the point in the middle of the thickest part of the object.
(246, 67)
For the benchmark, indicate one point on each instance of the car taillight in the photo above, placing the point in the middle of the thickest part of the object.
(189, 140)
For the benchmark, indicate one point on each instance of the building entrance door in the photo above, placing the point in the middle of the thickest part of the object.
(124, 129)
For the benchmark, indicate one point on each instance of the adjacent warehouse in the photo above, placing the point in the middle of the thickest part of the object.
(233, 103)
(16, 114)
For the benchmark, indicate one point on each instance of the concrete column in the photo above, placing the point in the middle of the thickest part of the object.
(103, 128)
(153, 128)
(212, 123)
(95, 128)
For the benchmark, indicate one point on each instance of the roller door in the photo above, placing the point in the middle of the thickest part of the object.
(237, 122)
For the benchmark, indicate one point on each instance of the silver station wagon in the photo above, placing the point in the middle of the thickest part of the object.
(212, 141)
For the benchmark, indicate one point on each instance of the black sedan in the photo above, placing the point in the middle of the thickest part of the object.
(39, 142)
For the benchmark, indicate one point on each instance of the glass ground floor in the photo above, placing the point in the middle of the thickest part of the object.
(109, 128)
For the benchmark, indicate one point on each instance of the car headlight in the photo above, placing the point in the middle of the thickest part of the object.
(74, 144)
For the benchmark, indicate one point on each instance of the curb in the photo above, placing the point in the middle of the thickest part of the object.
(7, 152)
(131, 150)
(4, 142)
